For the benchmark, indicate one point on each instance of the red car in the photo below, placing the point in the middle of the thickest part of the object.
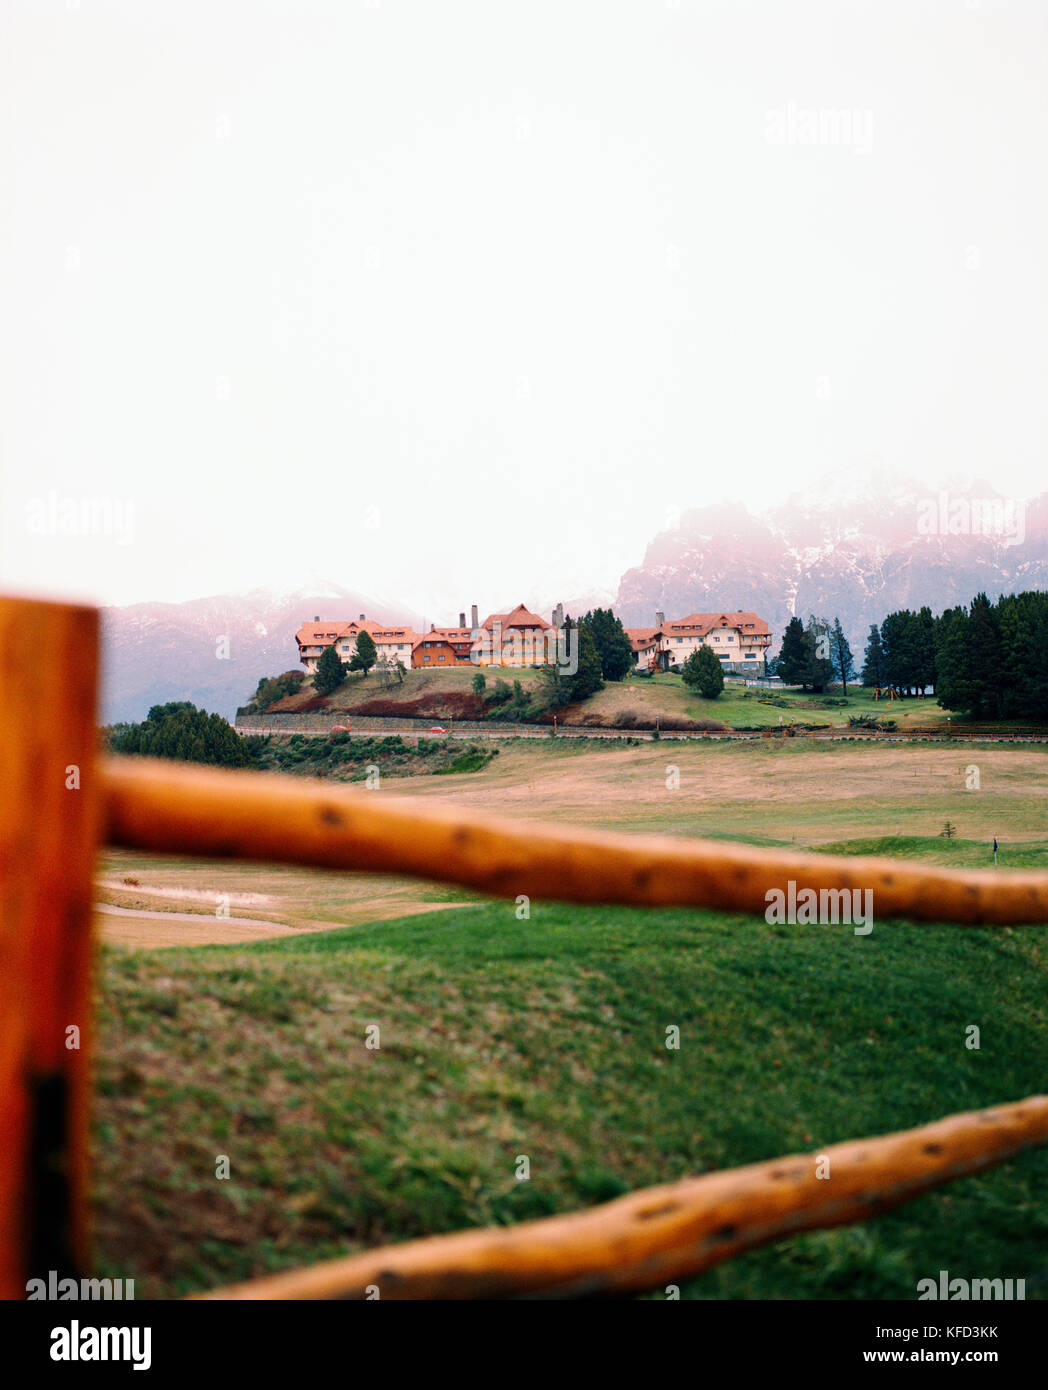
(436, 729)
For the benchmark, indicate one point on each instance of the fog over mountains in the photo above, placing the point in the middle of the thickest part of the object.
(855, 546)
(155, 652)
(857, 550)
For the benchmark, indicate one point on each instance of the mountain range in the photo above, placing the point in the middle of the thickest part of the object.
(855, 552)
(213, 651)
(856, 547)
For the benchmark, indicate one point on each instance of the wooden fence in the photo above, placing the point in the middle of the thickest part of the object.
(61, 801)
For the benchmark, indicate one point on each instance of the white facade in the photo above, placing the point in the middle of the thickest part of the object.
(731, 644)
(395, 647)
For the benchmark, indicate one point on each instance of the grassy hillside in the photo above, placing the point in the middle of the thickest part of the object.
(343, 758)
(447, 694)
(795, 792)
(741, 706)
(846, 798)
(546, 1037)
(439, 694)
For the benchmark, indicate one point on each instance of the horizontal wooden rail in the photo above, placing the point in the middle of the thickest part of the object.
(177, 809)
(653, 1237)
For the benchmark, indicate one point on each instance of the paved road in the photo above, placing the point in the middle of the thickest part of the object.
(580, 732)
(584, 732)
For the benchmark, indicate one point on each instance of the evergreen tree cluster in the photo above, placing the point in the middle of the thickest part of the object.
(270, 689)
(613, 646)
(902, 653)
(562, 688)
(992, 659)
(181, 731)
(989, 660)
(815, 656)
(330, 672)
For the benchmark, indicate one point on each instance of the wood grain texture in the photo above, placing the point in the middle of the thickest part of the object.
(662, 1234)
(177, 809)
(48, 838)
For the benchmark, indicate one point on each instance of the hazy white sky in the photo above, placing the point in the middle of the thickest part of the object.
(466, 298)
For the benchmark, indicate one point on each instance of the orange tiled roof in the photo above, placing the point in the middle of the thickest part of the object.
(516, 617)
(449, 636)
(323, 634)
(701, 623)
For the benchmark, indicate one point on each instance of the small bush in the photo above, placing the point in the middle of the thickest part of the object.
(271, 689)
(630, 719)
(500, 693)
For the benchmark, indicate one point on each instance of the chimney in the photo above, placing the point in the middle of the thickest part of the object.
(660, 618)
(476, 625)
(361, 617)
(462, 620)
(316, 617)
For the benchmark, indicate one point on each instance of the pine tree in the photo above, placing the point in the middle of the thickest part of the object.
(615, 648)
(953, 687)
(587, 680)
(819, 672)
(841, 654)
(985, 670)
(873, 670)
(900, 643)
(366, 653)
(792, 661)
(1022, 619)
(330, 672)
(703, 672)
(924, 649)
(557, 681)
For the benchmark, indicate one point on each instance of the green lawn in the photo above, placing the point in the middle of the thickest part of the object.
(545, 1037)
(748, 706)
(664, 695)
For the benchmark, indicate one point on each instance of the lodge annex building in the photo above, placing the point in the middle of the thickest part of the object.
(522, 638)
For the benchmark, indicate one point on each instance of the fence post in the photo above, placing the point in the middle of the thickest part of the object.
(49, 830)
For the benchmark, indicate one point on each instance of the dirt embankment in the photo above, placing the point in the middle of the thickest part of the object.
(447, 704)
(463, 705)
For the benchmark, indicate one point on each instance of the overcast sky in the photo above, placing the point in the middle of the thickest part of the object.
(467, 299)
